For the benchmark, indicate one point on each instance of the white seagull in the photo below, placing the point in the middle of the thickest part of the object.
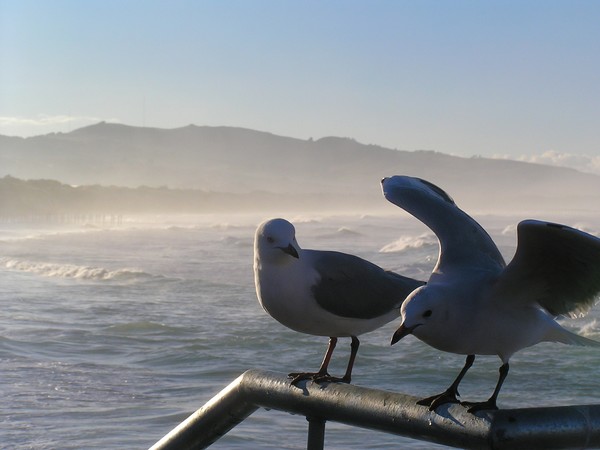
(324, 293)
(475, 304)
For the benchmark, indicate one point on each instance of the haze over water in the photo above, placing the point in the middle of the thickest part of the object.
(111, 333)
(111, 336)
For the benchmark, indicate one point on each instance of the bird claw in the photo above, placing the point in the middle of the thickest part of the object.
(297, 377)
(315, 377)
(449, 396)
(440, 399)
(330, 379)
(474, 407)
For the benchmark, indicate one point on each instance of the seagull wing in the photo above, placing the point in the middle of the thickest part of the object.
(556, 266)
(350, 286)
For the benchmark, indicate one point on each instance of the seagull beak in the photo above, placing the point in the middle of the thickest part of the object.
(290, 250)
(401, 332)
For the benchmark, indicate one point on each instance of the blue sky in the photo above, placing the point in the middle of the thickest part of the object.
(517, 78)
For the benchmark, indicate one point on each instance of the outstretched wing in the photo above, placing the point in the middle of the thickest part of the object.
(352, 287)
(556, 266)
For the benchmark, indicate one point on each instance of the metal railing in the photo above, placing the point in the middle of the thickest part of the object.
(525, 428)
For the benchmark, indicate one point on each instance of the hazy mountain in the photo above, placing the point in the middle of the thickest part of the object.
(50, 200)
(237, 160)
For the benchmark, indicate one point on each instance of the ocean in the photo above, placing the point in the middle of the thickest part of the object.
(110, 336)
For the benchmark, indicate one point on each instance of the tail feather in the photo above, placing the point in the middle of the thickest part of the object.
(570, 338)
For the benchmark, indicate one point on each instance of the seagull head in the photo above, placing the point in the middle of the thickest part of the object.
(421, 313)
(275, 241)
(415, 195)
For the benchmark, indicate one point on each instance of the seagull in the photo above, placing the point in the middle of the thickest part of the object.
(323, 293)
(475, 304)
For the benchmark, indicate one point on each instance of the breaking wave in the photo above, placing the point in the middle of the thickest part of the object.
(586, 228)
(72, 271)
(589, 329)
(509, 230)
(347, 231)
(244, 242)
(409, 242)
(306, 220)
(19, 236)
(340, 232)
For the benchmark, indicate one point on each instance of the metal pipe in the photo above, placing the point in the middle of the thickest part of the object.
(367, 408)
(546, 428)
(316, 434)
(209, 423)
(531, 428)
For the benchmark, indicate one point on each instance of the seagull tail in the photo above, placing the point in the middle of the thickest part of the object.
(567, 337)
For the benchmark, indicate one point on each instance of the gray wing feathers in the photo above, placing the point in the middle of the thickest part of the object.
(559, 265)
(350, 286)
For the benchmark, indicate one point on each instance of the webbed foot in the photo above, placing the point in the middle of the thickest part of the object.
(434, 401)
(474, 407)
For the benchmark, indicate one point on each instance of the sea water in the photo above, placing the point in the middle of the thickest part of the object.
(111, 336)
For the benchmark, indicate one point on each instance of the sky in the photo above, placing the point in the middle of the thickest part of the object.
(518, 79)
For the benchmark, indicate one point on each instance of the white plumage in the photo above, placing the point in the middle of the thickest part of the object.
(475, 304)
(324, 293)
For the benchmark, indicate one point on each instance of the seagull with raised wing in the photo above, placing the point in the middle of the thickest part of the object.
(475, 304)
(323, 293)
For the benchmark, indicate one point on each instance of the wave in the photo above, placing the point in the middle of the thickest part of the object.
(586, 228)
(244, 242)
(347, 231)
(509, 230)
(223, 226)
(31, 235)
(306, 219)
(72, 271)
(342, 231)
(589, 329)
(425, 240)
(145, 326)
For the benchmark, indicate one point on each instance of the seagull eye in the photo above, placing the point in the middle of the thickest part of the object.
(270, 240)
(428, 313)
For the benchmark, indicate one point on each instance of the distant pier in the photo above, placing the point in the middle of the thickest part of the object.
(98, 219)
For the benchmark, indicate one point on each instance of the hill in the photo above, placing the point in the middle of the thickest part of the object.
(242, 161)
(50, 200)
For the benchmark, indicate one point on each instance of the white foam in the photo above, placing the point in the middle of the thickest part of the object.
(589, 328)
(509, 230)
(410, 242)
(56, 270)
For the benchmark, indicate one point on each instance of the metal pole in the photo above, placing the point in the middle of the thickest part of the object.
(367, 408)
(557, 427)
(209, 423)
(316, 433)
(527, 428)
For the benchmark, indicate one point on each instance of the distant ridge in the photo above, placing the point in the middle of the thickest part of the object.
(50, 200)
(239, 160)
